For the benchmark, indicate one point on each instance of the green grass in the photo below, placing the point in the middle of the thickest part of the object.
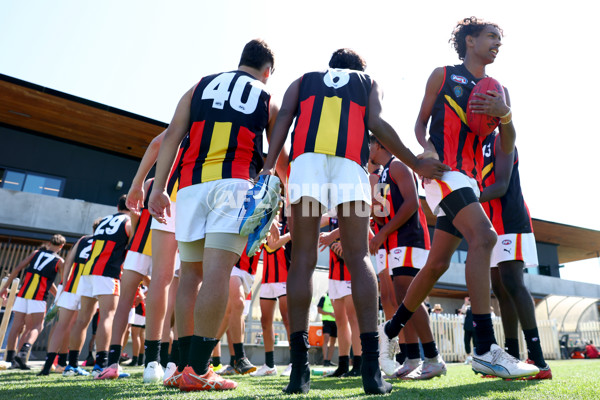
(573, 379)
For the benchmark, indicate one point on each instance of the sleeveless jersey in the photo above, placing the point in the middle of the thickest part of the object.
(414, 232)
(40, 275)
(175, 174)
(337, 267)
(248, 264)
(82, 253)
(276, 262)
(109, 249)
(509, 213)
(141, 242)
(228, 114)
(454, 142)
(332, 115)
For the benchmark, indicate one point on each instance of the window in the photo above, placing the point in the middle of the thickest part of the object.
(31, 182)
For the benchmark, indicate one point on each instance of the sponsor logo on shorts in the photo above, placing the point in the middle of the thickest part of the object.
(397, 251)
(506, 242)
(507, 250)
(459, 79)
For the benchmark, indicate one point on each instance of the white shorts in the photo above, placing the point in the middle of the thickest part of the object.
(515, 247)
(177, 265)
(414, 257)
(170, 225)
(131, 317)
(94, 286)
(29, 306)
(69, 301)
(436, 189)
(273, 290)
(139, 320)
(331, 180)
(138, 262)
(339, 289)
(210, 207)
(381, 259)
(246, 278)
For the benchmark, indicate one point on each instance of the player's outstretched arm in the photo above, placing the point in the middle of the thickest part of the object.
(159, 202)
(284, 120)
(434, 83)
(426, 167)
(135, 196)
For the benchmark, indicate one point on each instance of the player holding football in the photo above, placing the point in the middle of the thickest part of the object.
(454, 197)
(515, 250)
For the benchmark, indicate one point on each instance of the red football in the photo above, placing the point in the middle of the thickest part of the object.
(483, 124)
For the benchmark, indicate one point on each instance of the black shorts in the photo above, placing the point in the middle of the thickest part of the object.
(457, 200)
(405, 271)
(444, 224)
(329, 327)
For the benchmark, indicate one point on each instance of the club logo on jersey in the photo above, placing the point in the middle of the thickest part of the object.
(458, 91)
(506, 242)
(459, 79)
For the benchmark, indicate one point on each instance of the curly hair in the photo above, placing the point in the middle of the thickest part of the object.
(471, 26)
(347, 59)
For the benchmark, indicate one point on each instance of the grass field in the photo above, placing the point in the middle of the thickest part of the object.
(573, 379)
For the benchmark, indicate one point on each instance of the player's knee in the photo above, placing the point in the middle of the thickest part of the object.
(486, 239)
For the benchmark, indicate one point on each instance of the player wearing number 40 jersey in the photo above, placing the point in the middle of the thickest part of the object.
(225, 115)
(99, 285)
(42, 267)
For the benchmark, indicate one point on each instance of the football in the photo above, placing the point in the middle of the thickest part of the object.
(482, 124)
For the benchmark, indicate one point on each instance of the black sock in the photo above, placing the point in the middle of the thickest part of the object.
(114, 354)
(184, 352)
(101, 357)
(140, 359)
(412, 351)
(430, 350)
(238, 349)
(484, 331)
(393, 327)
(511, 346)
(372, 380)
(270, 359)
(534, 347)
(74, 358)
(24, 350)
(174, 356)
(356, 362)
(134, 361)
(200, 350)
(401, 357)
(299, 348)
(62, 359)
(10, 355)
(49, 361)
(215, 361)
(164, 354)
(232, 360)
(151, 348)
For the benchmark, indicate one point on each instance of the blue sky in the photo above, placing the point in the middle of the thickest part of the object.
(141, 56)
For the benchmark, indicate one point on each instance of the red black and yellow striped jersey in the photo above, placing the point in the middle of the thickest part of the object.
(248, 264)
(332, 115)
(141, 242)
(40, 275)
(228, 115)
(509, 213)
(82, 254)
(414, 232)
(337, 267)
(175, 174)
(109, 248)
(454, 142)
(275, 266)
